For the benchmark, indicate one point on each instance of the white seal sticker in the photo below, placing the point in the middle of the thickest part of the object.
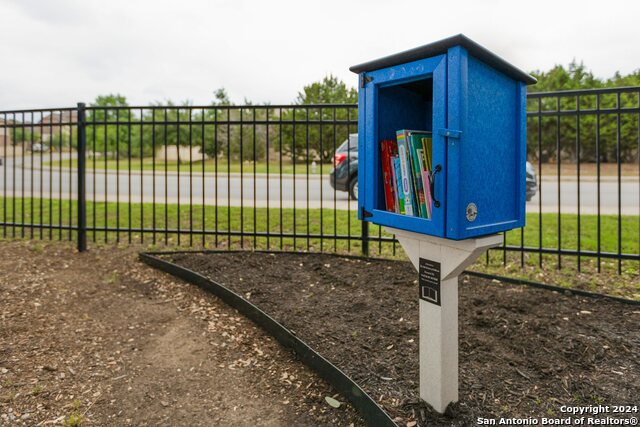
(472, 212)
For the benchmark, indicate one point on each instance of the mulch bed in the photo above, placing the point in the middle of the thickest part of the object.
(523, 352)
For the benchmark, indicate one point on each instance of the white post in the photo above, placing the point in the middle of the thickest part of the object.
(439, 262)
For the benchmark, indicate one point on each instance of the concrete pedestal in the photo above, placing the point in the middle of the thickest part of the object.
(442, 261)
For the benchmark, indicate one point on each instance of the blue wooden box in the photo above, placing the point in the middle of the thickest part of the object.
(474, 103)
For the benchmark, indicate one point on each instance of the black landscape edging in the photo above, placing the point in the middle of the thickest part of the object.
(510, 280)
(373, 414)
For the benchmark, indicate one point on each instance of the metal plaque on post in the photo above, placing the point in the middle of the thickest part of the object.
(429, 280)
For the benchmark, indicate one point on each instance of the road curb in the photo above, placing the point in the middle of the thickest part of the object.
(196, 173)
(301, 175)
(573, 178)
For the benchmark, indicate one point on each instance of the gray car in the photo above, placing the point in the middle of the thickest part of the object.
(344, 175)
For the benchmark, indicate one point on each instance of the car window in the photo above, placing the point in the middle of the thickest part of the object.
(353, 145)
(350, 144)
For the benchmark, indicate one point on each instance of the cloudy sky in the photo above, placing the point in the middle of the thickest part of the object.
(58, 52)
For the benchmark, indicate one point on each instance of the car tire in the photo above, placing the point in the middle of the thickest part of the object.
(353, 188)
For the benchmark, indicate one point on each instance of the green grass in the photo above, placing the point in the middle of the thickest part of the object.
(568, 236)
(73, 420)
(235, 166)
(223, 225)
(341, 222)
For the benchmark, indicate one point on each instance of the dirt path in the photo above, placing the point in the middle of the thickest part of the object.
(101, 339)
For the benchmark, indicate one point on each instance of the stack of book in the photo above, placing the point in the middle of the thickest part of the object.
(406, 171)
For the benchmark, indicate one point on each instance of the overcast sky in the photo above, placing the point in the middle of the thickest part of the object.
(58, 52)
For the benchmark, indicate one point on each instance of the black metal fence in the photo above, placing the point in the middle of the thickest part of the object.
(258, 177)
(595, 132)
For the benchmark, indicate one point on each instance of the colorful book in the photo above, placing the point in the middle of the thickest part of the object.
(394, 183)
(406, 175)
(427, 152)
(424, 178)
(415, 139)
(397, 176)
(415, 146)
(388, 149)
(429, 197)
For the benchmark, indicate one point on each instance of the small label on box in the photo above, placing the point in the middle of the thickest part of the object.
(429, 280)
(471, 212)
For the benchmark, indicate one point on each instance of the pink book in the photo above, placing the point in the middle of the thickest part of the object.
(427, 191)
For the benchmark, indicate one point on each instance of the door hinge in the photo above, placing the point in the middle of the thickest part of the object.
(365, 79)
(366, 213)
(450, 133)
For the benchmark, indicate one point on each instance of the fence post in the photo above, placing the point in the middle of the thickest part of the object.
(365, 238)
(82, 207)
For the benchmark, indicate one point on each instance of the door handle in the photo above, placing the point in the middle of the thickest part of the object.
(432, 183)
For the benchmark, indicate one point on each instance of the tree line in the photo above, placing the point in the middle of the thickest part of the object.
(301, 132)
(609, 135)
(306, 133)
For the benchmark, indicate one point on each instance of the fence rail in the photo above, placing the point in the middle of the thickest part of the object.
(259, 177)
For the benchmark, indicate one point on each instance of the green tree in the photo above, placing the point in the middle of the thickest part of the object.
(109, 131)
(216, 137)
(175, 125)
(24, 134)
(576, 76)
(329, 90)
(220, 97)
(229, 135)
(311, 132)
(619, 80)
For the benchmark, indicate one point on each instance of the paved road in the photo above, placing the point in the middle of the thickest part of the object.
(235, 189)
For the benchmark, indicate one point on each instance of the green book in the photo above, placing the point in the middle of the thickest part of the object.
(427, 152)
(406, 174)
(417, 153)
